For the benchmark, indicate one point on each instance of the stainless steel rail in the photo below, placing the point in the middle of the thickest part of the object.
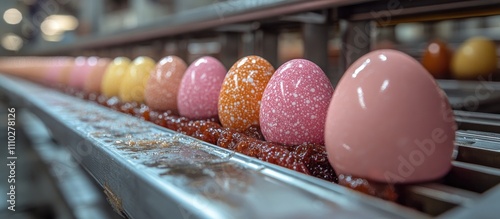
(77, 189)
(476, 121)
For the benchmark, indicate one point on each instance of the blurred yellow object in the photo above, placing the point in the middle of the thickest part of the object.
(134, 82)
(114, 75)
(474, 58)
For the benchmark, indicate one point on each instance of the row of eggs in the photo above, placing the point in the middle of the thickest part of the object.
(474, 58)
(289, 104)
(385, 111)
(386, 116)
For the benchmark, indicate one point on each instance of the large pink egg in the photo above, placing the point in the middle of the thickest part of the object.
(294, 104)
(200, 87)
(389, 121)
(163, 84)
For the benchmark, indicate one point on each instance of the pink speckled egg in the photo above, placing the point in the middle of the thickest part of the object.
(389, 121)
(163, 84)
(200, 87)
(294, 104)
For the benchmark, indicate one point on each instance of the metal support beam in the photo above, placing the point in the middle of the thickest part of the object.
(267, 46)
(356, 40)
(158, 47)
(316, 44)
(249, 43)
(91, 14)
(182, 48)
(229, 48)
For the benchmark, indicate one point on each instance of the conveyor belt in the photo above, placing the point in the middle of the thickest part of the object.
(151, 172)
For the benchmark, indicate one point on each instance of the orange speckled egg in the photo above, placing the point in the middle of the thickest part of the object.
(241, 92)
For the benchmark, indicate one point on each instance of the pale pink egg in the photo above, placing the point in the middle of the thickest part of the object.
(94, 78)
(200, 88)
(82, 68)
(55, 70)
(163, 84)
(28, 67)
(294, 104)
(389, 121)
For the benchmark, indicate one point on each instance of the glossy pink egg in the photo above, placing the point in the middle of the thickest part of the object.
(294, 104)
(389, 121)
(163, 84)
(200, 87)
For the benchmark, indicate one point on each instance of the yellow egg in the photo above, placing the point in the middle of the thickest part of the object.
(113, 76)
(134, 82)
(476, 57)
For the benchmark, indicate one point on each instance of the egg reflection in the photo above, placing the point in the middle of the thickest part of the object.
(361, 97)
(384, 85)
(360, 68)
(382, 57)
